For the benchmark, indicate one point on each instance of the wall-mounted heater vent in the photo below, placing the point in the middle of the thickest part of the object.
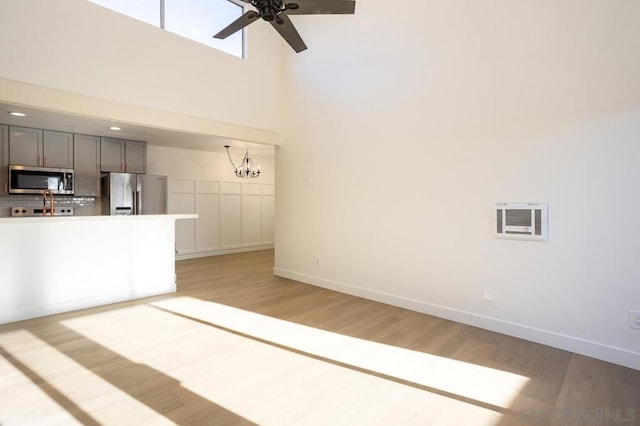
(522, 221)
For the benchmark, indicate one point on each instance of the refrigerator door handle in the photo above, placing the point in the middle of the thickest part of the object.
(138, 202)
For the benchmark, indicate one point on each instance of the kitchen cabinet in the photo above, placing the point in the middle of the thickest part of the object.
(4, 160)
(231, 221)
(118, 155)
(25, 146)
(86, 155)
(58, 149)
(111, 155)
(40, 148)
(135, 156)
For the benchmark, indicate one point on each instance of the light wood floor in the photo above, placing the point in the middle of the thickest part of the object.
(208, 355)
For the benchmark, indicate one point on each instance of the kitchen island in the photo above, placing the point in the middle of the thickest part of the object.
(50, 265)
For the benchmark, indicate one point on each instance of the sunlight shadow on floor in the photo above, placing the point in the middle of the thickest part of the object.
(452, 376)
(271, 385)
(58, 377)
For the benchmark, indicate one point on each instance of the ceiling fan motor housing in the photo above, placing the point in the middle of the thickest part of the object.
(268, 9)
(277, 12)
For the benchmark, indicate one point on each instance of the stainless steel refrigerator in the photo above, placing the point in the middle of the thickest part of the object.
(130, 194)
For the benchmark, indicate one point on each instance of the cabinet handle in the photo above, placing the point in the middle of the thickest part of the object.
(6, 188)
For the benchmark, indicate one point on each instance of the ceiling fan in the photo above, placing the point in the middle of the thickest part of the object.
(277, 13)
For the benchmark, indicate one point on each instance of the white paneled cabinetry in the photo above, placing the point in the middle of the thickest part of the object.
(232, 216)
(208, 201)
(252, 214)
(268, 212)
(182, 199)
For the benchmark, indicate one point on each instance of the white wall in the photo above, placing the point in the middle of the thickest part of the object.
(79, 48)
(234, 214)
(404, 126)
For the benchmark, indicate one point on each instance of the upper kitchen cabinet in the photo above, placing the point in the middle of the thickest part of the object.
(58, 149)
(4, 160)
(111, 155)
(117, 155)
(86, 153)
(35, 147)
(135, 156)
(25, 146)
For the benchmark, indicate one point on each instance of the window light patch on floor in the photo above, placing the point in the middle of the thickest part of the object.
(483, 384)
(36, 380)
(241, 361)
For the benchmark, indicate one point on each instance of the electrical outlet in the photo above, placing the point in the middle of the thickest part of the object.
(317, 261)
(634, 319)
(487, 295)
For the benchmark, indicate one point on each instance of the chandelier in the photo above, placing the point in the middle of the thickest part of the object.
(245, 169)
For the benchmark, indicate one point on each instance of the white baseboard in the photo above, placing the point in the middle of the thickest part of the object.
(574, 344)
(24, 313)
(217, 252)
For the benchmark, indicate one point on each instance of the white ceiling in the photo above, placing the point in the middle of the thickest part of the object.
(52, 120)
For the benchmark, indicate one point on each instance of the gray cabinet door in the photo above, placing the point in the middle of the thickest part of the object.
(135, 156)
(58, 149)
(4, 160)
(111, 155)
(25, 146)
(86, 153)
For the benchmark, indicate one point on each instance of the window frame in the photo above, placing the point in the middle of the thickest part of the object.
(162, 10)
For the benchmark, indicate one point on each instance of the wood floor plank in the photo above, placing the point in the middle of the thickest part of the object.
(174, 367)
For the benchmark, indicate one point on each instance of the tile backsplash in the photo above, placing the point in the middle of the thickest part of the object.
(83, 206)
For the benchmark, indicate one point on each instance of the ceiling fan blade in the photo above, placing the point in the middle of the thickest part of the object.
(317, 7)
(238, 24)
(289, 33)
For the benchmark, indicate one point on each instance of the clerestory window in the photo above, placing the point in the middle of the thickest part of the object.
(197, 20)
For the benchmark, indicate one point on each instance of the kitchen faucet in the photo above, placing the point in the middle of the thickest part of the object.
(47, 193)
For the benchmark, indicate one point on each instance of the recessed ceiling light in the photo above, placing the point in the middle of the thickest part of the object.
(18, 114)
(114, 128)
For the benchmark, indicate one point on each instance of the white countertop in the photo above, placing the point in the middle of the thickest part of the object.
(40, 219)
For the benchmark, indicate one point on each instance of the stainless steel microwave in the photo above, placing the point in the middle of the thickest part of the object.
(34, 180)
